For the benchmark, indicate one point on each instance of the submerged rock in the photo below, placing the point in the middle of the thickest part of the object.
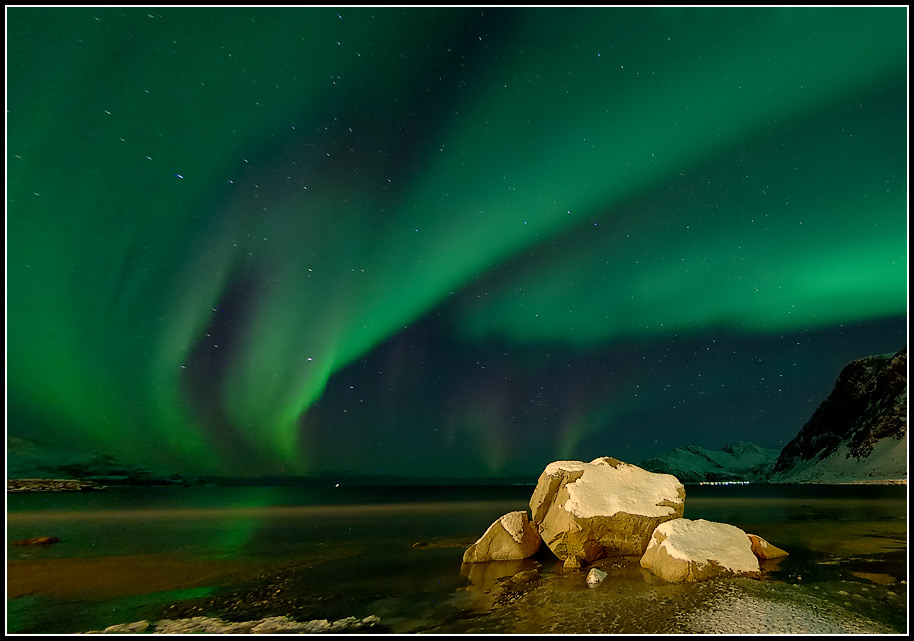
(602, 508)
(683, 550)
(486, 576)
(511, 537)
(525, 576)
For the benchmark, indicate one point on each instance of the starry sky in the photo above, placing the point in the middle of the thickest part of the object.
(457, 242)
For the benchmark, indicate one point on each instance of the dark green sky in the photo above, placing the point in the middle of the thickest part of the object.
(446, 241)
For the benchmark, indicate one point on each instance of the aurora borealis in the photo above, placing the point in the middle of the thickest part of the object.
(446, 242)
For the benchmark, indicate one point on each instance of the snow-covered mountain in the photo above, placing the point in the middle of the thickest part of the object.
(859, 433)
(694, 464)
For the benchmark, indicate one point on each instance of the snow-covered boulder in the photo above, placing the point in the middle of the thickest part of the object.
(763, 549)
(602, 508)
(511, 537)
(683, 550)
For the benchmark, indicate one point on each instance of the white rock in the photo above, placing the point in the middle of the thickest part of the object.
(602, 508)
(509, 538)
(684, 550)
(595, 576)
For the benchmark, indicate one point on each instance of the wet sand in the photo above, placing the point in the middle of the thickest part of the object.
(108, 577)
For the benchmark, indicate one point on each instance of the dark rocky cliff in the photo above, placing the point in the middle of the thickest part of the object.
(868, 404)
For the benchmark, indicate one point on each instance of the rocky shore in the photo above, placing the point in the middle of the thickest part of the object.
(51, 485)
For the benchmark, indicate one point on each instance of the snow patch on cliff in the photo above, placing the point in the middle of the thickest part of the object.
(887, 461)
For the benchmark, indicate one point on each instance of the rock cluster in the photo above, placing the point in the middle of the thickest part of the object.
(607, 508)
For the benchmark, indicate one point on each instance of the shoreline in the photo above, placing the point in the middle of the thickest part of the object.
(404, 566)
(557, 603)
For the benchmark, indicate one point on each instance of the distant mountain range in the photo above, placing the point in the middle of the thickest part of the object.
(26, 459)
(858, 434)
(694, 464)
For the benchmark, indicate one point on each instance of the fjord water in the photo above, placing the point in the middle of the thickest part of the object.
(395, 552)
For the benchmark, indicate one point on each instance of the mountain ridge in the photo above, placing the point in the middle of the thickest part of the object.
(692, 463)
(858, 433)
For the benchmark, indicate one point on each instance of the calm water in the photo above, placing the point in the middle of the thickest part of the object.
(125, 554)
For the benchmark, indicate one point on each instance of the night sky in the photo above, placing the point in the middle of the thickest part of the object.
(448, 242)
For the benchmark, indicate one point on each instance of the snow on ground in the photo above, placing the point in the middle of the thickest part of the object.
(738, 611)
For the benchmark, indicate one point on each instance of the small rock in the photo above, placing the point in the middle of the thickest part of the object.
(38, 540)
(572, 564)
(595, 576)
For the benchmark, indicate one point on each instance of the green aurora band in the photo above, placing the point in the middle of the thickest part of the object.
(302, 184)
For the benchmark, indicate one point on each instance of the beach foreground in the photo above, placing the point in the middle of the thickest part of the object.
(232, 559)
(628, 601)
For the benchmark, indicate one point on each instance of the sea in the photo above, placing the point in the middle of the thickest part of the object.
(332, 551)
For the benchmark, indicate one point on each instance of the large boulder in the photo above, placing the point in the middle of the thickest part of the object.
(511, 537)
(683, 550)
(603, 508)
